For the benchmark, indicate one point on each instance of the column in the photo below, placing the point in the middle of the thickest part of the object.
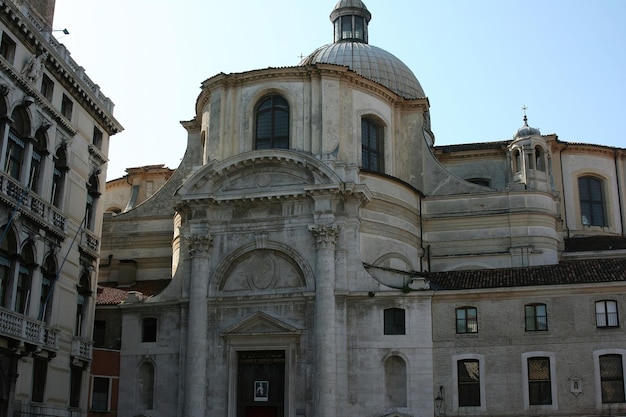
(197, 328)
(325, 382)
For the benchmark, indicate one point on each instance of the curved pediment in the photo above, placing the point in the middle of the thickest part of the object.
(263, 174)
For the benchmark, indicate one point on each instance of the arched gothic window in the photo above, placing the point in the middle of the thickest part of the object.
(372, 151)
(8, 252)
(40, 150)
(272, 123)
(58, 177)
(49, 274)
(24, 280)
(16, 147)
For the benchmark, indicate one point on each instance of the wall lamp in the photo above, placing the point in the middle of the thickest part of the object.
(440, 400)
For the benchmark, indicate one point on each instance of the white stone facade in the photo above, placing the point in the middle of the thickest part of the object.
(313, 269)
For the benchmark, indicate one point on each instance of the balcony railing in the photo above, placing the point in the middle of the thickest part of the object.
(28, 330)
(81, 348)
(31, 204)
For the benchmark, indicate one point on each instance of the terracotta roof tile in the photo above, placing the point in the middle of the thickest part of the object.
(110, 294)
(567, 272)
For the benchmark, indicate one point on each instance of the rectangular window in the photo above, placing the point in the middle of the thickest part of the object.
(14, 155)
(47, 87)
(149, 330)
(591, 201)
(539, 383)
(76, 379)
(469, 382)
(612, 379)
(467, 320)
(67, 107)
(536, 317)
(7, 48)
(97, 138)
(606, 314)
(40, 373)
(100, 394)
(394, 321)
(99, 332)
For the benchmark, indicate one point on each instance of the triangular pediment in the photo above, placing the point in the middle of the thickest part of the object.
(261, 324)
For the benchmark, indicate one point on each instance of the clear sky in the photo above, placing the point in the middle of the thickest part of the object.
(478, 61)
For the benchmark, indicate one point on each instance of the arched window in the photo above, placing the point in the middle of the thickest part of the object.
(372, 152)
(92, 199)
(395, 382)
(82, 299)
(8, 252)
(272, 123)
(517, 161)
(49, 274)
(590, 191)
(145, 385)
(540, 158)
(58, 177)
(40, 150)
(24, 280)
(16, 147)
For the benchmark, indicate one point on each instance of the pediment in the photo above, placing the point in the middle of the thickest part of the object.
(258, 175)
(261, 324)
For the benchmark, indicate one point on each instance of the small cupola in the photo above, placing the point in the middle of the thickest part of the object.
(350, 19)
(526, 131)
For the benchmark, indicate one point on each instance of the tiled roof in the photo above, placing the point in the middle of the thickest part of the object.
(472, 146)
(567, 272)
(110, 294)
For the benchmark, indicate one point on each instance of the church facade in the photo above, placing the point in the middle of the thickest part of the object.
(315, 254)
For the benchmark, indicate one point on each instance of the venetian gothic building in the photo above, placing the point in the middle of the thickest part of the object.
(315, 254)
(55, 126)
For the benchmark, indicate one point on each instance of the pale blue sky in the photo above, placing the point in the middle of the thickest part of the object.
(478, 61)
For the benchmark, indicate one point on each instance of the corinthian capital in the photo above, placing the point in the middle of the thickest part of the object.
(199, 244)
(325, 235)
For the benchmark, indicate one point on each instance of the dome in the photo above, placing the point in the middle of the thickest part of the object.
(526, 131)
(351, 49)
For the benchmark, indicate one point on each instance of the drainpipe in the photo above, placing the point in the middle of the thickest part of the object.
(619, 194)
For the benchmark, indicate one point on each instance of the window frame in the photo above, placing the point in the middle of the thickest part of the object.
(394, 319)
(7, 48)
(372, 154)
(40, 376)
(466, 327)
(481, 381)
(67, 107)
(589, 205)
(539, 387)
(535, 325)
(109, 383)
(149, 329)
(47, 87)
(278, 107)
(467, 397)
(526, 383)
(612, 406)
(607, 319)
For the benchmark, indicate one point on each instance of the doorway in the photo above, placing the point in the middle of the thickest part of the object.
(261, 383)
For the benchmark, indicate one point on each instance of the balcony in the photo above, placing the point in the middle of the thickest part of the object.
(31, 205)
(81, 349)
(28, 330)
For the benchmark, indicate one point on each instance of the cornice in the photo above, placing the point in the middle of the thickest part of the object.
(35, 38)
(308, 73)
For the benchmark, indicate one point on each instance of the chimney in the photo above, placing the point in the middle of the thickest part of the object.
(42, 9)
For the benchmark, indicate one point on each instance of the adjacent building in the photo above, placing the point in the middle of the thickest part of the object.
(315, 254)
(55, 126)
